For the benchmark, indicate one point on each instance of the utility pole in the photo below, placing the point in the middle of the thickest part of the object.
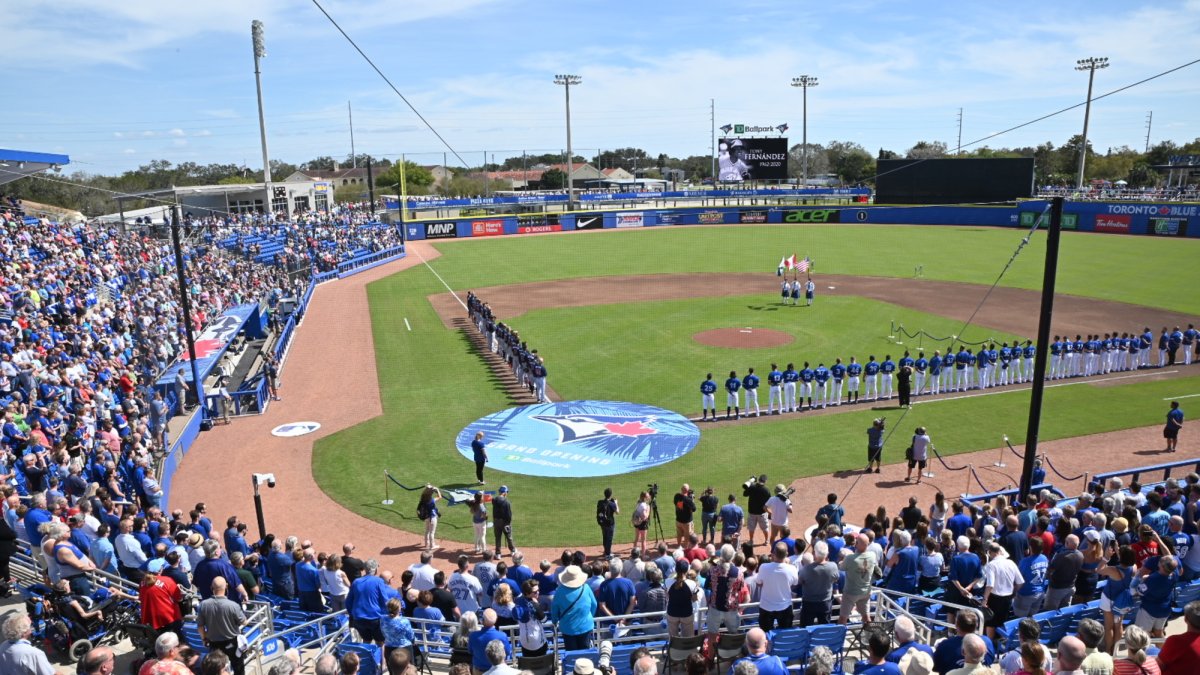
(186, 305)
(712, 146)
(260, 52)
(1149, 119)
(804, 82)
(566, 81)
(958, 147)
(353, 155)
(1090, 64)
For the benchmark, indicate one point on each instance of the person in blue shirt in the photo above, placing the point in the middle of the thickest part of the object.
(879, 645)
(937, 373)
(1145, 343)
(1163, 341)
(920, 367)
(731, 517)
(904, 565)
(750, 383)
(708, 399)
(832, 510)
(308, 585)
(279, 570)
(1058, 358)
(758, 655)
(1004, 376)
(1191, 338)
(821, 375)
(1170, 431)
(886, 369)
(806, 386)
(1028, 600)
(1157, 592)
(1174, 342)
(838, 371)
(616, 594)
(872, 371)
(775, 382)
(367, 602)
(790, 378)
(732, 398)
(854, 376)
(962, 369)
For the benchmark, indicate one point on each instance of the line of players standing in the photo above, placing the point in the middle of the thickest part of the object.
(793, 390)
(527, 366)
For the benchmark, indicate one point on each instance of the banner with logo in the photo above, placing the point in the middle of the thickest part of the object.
(487, 228)
(1168, 227)
(753, 217)
(1113, 224)
(589, 222)
(441, 230)
(813, 216)
(211, 344)
(710, 217)
(580, 439)
(538, 222)
(630, 219)
(742, 159)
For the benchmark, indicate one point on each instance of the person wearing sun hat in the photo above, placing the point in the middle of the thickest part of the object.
(573, 609)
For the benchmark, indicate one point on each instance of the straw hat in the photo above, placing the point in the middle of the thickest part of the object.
(572, 577)
(916, 662)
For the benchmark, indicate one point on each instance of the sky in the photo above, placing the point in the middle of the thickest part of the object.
(117, 84)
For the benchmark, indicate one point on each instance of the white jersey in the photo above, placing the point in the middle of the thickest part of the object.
(732, 170)
(466, 589)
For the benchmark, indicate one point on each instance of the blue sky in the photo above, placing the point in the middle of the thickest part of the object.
(116, 84)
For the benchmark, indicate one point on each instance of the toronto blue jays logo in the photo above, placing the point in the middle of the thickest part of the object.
(573, 428)
(580, 438)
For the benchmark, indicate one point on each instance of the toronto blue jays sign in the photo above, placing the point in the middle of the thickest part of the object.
(581, 439)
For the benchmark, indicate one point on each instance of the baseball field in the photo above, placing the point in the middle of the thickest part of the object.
(615, 314)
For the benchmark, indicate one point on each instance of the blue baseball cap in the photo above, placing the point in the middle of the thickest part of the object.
(503, 489)
(155, 566)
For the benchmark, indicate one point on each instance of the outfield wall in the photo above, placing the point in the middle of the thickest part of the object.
(1169, 220)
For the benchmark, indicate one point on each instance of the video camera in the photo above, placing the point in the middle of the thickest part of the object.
(652, 488)
(787, 492)
(604, 663)
(750, 482)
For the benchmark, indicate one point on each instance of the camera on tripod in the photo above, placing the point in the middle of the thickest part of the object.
(652, 488)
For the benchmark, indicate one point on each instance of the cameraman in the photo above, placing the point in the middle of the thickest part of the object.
(685, 508)
(757, 494)
(875, 444)
(606, 518)
(780, 507)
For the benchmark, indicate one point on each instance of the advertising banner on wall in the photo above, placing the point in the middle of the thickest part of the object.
(442, 230)
(631, 219)
(754, 216)
(487, 228)
(742, 159)
(1168, 227)
(710, 217)
(813, 216)
(1113, 224)
(589, 222)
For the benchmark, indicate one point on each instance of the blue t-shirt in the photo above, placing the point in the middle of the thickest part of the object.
(822, 374)
(854, 369)
(904, 573)
(965, 568)
(885, 668)
(1157, 593)
(616, 594)
(790, 375)
(1033, 571)
(807, 374)
(477, 450)
(774, 377)
(888, 367)
(731, 519)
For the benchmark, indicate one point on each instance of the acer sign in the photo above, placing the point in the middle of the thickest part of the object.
(813, 216)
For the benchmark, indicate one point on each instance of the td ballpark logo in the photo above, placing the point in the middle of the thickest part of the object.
(579, 427)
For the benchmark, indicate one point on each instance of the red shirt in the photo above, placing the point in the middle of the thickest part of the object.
(160, 602)
(1141, 551)
(1180, 654)
(696, 553)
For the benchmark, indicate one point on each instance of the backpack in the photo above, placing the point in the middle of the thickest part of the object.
(603, 514)
(423, 510)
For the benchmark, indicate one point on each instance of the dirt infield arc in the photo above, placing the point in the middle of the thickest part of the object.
(217, 469)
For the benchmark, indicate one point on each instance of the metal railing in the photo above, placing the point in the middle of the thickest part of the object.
(321, 634)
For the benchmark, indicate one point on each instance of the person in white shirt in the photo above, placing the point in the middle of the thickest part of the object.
(465, 587)
(1001, 578)
(775, 581)
(423, 573)
(778, 508)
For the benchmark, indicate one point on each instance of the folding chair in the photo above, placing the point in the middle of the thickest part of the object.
(678, 649)
(729, 648)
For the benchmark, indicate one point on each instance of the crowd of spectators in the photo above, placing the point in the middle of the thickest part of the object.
(1120, 193)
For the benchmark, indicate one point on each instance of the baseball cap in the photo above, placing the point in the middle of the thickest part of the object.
(155, 566)
(503, 489)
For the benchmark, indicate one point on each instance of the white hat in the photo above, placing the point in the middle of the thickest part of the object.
(584, 666)
(573, 577)
(916, 662)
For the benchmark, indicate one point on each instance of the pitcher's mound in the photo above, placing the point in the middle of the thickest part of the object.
(743, 338)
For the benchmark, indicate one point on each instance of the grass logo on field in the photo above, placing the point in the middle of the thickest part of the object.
(581, 438)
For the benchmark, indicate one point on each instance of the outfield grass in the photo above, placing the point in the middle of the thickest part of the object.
(433, 384)
(1149, 271)
(664, 365)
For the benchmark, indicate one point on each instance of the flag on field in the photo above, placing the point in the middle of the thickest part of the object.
(791, 262)
(803, 265)
(782, 265)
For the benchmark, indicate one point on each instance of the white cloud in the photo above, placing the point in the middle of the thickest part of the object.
(128, 151)
(176, 132)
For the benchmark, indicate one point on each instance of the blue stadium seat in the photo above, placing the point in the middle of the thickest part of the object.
(790, 644)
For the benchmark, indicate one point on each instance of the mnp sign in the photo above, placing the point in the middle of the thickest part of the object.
(442, 230)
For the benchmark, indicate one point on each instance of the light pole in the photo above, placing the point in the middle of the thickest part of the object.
(1090, 64)
(260, 52)
(566, 81)
(804, 82)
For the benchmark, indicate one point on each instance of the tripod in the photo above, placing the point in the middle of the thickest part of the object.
(658, 531)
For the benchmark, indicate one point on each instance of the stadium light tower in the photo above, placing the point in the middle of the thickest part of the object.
(1090, 64)
(804, 82)
(566, 81)
(260, 52)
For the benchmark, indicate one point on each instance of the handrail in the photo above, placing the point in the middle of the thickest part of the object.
(1138, 471)
(324, 638)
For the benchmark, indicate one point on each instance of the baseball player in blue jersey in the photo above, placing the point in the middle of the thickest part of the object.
(981, 372)
(806, 386)
(1135, 352)
(872, 374)
(961, 359)
(935, 372)
(732, 398)
(838, 371)
(885, 373)
(1057, 358)
(920, 366)
(1028, 353)
(853, 376)
(539, 379)
(790, 378)
(1163, 340)
(1123, 352)
(1144, 346)
(993, 362)
(796, 292)
(1191, 338)
(708, 398)
(750, 384)
(906, 360)
(969, 378)
(822, 377)
(1006, 365)
(775, 382)
(947, 379)
(1174, 342)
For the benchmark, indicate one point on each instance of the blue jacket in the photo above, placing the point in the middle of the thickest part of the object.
(579, 618)
(477, 643)
(368, 598)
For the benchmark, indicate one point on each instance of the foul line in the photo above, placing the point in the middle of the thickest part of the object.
(1172, 398)
(406, 324)
(1086, 380)
(426, 263)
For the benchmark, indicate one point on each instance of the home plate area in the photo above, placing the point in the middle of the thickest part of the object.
(581, 439)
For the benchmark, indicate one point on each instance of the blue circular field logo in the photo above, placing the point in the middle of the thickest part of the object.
(581, 439)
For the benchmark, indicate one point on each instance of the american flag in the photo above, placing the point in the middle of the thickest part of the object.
(803, 265)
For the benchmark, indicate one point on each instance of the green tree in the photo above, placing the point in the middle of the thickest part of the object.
(417, 178)
(553, 179)
(850, 161)
(1141, 175)
(464, 185)
(926, 150)
(236, 180)
(322, 163)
